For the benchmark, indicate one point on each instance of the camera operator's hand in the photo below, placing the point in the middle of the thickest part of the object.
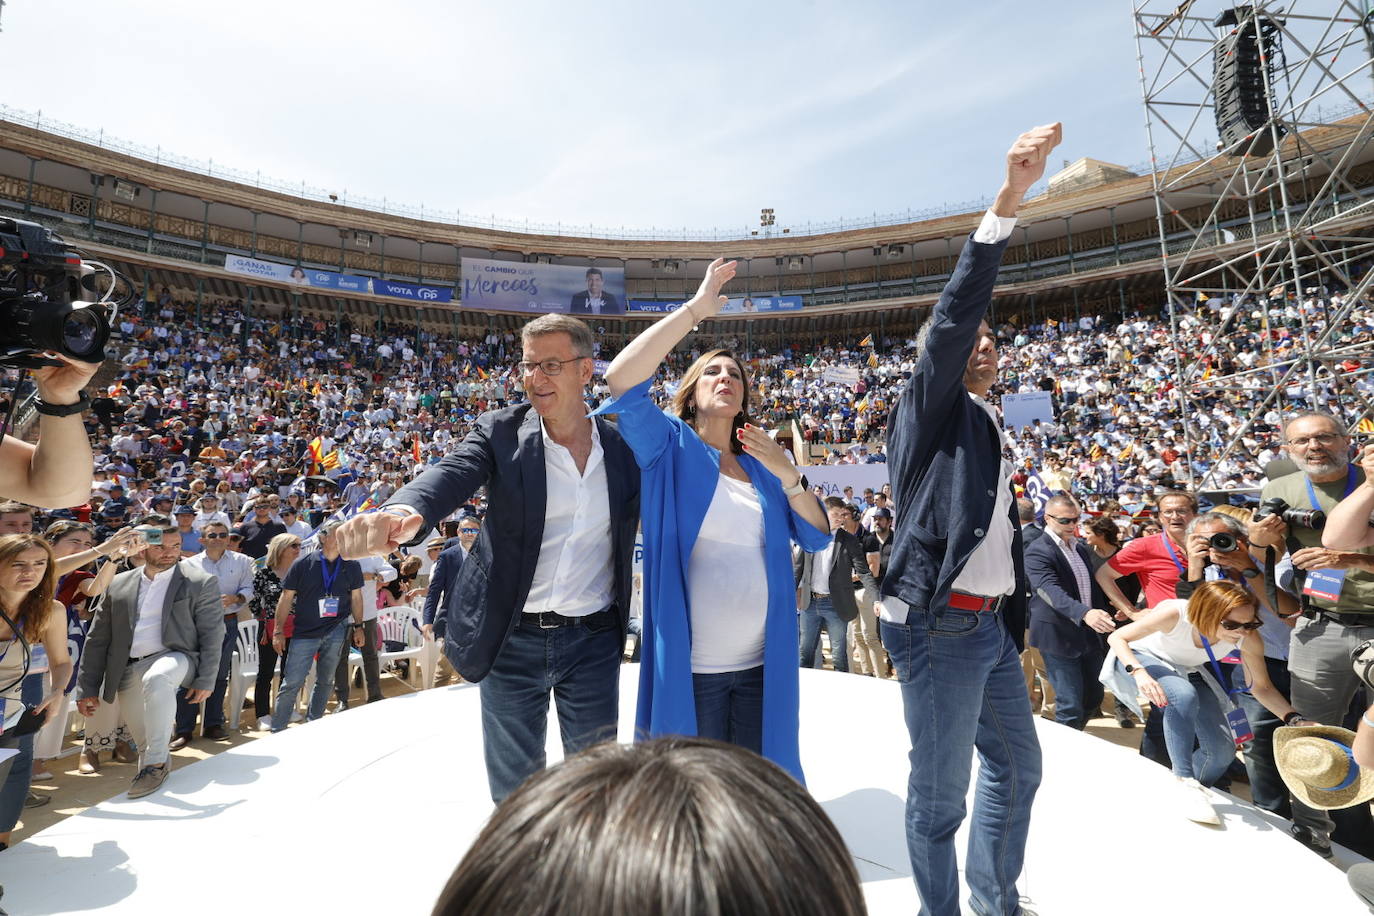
(1322, 558)
(63, 384)
(1099, 620)
(1199, 550)
(1367, 465)
(123, 543)
(1268, 533)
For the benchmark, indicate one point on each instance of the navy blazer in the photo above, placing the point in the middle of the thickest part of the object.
(945, 454)
(1056, 606)
(441, 580)
(505, 452)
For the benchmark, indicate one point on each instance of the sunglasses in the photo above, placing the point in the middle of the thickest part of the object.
(213, 537)
(1229, 624)
(1064, 520)
(469, 530)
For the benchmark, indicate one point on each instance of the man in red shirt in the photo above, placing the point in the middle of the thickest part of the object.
(1159, 560)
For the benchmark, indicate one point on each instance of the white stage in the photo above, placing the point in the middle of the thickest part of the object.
(370, 810)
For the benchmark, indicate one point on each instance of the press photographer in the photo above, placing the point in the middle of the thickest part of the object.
(1335, 587)
(47, 327)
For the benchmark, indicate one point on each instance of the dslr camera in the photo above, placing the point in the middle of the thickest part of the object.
(1223, 542)
(1300, 518)
(43, 306)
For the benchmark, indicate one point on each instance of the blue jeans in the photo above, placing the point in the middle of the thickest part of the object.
(822, 613)
(580, 665)
(1077, 692)
(214, 706)
(1267, 789)
(730, 707)
(304, 649)
(963, 689)
(1192, 713)
(17, 780)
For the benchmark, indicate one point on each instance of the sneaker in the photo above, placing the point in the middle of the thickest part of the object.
(1196, 803)
(1313, 840)
(297, 716)
(149, 780)
(265, 724)
(34, 800)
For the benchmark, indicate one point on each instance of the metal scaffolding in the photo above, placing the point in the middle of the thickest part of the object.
(1257, 228)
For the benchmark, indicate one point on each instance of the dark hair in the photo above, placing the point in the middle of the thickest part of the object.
(1105, 528)
(671, 826)
(156, 520)
(597, 271)
(684, 402)
(10, 507)
(835, 502)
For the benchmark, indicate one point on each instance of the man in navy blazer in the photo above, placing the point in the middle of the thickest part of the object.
(540, 603)
(1066, 613)
(953, 606)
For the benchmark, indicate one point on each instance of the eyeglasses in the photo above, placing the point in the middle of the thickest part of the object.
(1064, 520)
(1319, 439)
(1229, 624)
(549, 366)
(213, 537)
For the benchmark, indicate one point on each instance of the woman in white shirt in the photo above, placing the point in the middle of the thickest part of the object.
(1166, 651)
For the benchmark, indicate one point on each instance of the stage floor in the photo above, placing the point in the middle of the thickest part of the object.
(370, 811)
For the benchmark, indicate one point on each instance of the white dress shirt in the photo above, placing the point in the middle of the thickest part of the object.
(574, 575)
(152, 594)
(234, 572)
(820, 568)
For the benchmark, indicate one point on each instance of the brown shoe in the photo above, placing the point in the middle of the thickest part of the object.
(149, 780)
(124, 752)
(179, 741)
(90, 761)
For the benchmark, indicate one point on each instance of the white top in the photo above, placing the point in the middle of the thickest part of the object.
(820, 568)
(727, 585)
(205, 518)
(574, 575)
(989, 569)
(1176, 646)
(385, 572)
(152, 594)
(299, 528)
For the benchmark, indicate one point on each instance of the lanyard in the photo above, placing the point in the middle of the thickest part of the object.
(1212, 660)
(1351, 482)
(328, 576)
(1182, 570)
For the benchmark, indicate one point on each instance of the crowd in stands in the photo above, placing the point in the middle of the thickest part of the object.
(247, 433)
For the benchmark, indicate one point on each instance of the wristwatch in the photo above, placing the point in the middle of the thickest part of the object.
(1132, 669)
(1250, 573)
(795, 490)
(62, 410)
(1292, 717)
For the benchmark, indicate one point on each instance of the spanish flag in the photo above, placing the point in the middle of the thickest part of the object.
(316, 450)
(316, 390)
(867, 341)
(481, 373)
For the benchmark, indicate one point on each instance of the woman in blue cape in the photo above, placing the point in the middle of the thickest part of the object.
(721, 505)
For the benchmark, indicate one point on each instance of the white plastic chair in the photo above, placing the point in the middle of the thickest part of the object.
(243, 670)
(429, 653)
(401, 624)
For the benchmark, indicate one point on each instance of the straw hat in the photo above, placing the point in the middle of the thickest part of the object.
(1316, 763)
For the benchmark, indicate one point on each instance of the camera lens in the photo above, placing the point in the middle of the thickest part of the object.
(1223, 541)
(81, 333)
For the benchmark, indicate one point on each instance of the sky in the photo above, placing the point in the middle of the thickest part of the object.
(609, 114)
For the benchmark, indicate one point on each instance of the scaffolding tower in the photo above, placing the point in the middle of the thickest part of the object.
(1259, 217)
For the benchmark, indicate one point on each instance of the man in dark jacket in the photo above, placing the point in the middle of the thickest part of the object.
(825, 587)
(540, 604)
(1066, 613)
(956, 574)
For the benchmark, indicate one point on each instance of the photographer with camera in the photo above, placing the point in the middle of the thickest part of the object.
(1219, 548)
(1335, 587)
(55, 473)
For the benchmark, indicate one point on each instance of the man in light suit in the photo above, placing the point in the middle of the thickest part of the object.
(540, 604)
(1066, 613)
(594, 300)
(160, 628)
(825, 587)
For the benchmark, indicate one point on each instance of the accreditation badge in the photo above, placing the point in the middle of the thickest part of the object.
(329, 607)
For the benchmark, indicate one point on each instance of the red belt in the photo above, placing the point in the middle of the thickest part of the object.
(963, 602)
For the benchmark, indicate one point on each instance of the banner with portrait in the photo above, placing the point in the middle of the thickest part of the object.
(514, 286)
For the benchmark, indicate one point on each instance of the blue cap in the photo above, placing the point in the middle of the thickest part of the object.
(183, 510)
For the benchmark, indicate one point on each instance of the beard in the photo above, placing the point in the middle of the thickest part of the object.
(1318, 463)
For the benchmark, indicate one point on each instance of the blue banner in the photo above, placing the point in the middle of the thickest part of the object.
(412, 291)
(743, 305)
(515, 286)
(299, 276)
